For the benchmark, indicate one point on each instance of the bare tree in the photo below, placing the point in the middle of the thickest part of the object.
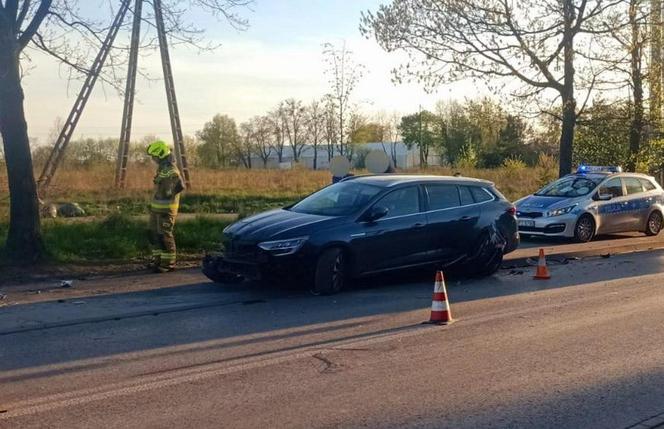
(344, 74)
(331, 129)
(391, 134)
(246, 143)
(294, 117)
(263, 133)
(534, 41)
(315, 122)
(56, 27)
(278, 123)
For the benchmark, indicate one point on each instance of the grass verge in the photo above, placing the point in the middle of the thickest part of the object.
(121, 238)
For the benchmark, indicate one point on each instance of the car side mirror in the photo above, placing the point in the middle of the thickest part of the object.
(603, 197)
(375, 213)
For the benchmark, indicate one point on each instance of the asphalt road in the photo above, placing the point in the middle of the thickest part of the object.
(583, 349)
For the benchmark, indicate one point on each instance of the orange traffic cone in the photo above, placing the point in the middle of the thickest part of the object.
(542, 271)
(440, 308)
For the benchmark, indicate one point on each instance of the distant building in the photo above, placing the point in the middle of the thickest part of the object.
(405, 158)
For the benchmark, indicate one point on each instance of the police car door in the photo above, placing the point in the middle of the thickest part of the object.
(639, 204)
(612, 213)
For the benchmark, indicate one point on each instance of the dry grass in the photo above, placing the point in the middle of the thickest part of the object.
(98, 183)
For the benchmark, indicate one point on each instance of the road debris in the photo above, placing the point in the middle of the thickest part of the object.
(67, 283)
(71, 210)
(329, 365)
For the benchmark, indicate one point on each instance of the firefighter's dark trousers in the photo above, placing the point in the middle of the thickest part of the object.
(162, 240)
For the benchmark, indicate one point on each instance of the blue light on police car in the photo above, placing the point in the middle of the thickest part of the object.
(598, 169)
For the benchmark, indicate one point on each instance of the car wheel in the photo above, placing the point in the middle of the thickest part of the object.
(330, 275)
(654, 224)
(584, 231)
(488, 260)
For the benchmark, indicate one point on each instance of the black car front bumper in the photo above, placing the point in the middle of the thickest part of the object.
(262, 267)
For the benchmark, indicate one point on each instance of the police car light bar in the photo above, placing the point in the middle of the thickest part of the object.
(598, 169)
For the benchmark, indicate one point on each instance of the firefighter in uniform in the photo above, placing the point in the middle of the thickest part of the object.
(164, 207)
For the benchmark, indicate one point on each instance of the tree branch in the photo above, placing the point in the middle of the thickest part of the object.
(31, 30)
(25, 8)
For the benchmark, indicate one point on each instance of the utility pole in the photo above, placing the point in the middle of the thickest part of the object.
(68, 129)
(420, 136)
(55, 158)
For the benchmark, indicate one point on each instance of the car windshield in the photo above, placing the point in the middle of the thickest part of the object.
(340, 199)
(569, 187)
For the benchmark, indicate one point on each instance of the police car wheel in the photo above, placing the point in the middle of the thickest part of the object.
(654, 224)
(331, 270)
(585, 229)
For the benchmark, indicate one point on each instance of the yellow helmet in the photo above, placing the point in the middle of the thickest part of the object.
(159, 149)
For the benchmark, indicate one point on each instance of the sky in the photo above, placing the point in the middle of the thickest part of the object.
(279, 56)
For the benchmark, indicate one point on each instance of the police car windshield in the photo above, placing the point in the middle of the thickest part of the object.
(341, 199)
(569, 187)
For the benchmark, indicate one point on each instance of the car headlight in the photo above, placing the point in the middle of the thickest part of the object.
(283, 247)
(560, 212)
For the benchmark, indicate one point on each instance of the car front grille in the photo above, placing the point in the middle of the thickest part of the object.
(242, 251)
(529, 215)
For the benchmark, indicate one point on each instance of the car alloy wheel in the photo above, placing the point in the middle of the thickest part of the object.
(338, 273)
(585, 229)
(330, 276)
(654, 223)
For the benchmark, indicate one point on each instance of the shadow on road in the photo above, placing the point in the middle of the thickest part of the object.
(205, 316)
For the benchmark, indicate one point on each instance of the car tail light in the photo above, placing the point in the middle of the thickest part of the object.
(511, 211)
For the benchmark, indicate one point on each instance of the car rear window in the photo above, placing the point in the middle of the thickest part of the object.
(633, 185)
(466, 196)
(443, 197)
(612, 187)
(647, 184)
(480, 195)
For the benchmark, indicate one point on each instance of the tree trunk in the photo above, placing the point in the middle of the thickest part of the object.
(567, 136)
(656, 69)
(24, 242)
(315, 156)
(636, 127)
(296, 157)
(567, 93)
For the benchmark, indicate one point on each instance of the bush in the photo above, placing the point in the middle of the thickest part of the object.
(547, 169)
(467, 158)
(513, 164)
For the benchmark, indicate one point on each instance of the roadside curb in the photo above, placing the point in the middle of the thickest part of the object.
(521, 259)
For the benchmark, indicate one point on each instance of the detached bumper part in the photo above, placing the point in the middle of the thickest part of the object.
(217, 269)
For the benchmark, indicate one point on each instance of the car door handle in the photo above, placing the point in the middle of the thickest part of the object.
(418, 225)
(466, 218)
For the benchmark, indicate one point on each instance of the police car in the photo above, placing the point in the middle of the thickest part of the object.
(594, 200)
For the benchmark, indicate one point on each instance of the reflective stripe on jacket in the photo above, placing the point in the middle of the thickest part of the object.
(167, 188)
